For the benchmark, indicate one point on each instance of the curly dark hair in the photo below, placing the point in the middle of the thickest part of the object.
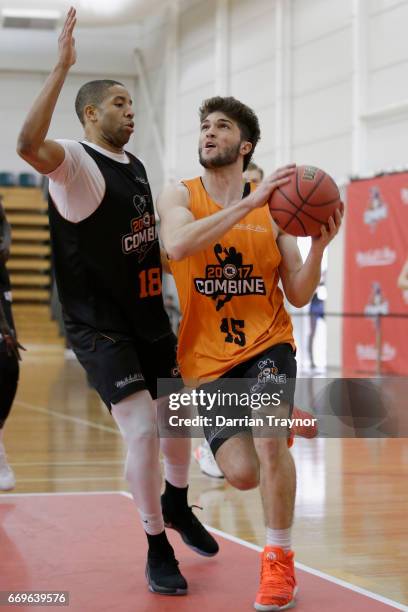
(93, 92)
(244, 116)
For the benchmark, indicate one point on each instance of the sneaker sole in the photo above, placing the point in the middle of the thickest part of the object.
(273, 608)
(157, 590)
(203, 553)
(222, 477)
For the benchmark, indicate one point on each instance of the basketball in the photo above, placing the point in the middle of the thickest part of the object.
(305, 203)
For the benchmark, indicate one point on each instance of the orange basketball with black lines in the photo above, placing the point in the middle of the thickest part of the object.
(303, 205)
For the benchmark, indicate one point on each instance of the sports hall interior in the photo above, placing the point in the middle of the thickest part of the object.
(328, 81)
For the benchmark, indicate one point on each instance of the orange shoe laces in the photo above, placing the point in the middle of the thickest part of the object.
(277, 576)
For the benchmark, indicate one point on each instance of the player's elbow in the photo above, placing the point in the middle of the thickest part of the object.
(25, 149)
(177, 250)
(297, 300)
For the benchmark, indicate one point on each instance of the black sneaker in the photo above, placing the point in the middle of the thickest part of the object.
(163, 575)
(193, 533)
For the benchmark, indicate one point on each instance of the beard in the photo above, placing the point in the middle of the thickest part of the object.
(227, 157)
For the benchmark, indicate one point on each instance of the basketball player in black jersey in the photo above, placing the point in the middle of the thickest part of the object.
(108, 271)
(9, 350)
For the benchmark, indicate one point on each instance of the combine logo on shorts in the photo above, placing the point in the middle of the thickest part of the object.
(229, 278)
(143, 230)
(269, 373)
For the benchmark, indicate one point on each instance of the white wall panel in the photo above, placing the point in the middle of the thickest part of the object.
(197, 26)
(188, 120)
(255, 85)
(378, 6)
(188, 164)
(196, 68)
(386, 145)
(266, 117)
(315, 18)
(243, 13)
(321, 62)
(322, 114)
(252, 43)
(333, 155)
(388, 37)
(387, 86)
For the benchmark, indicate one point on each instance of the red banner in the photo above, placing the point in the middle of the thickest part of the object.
(375, 252)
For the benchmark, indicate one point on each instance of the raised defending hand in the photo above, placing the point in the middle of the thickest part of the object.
(66, 41)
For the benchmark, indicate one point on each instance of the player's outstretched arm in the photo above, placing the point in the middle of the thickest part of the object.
(46, 155)
(300, 280)
(183, 235)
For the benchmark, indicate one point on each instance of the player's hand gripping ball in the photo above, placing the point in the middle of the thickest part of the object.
(305, 203)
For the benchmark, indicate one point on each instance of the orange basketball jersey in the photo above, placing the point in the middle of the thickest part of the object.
(232, 308)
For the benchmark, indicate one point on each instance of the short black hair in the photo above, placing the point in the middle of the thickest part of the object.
(240, 113)
(92, 92)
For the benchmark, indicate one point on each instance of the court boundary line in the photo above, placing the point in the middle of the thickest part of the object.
(306, 568)
(66, 417)
(315, 572)
(236, 540)
(60, 493)
(93, 462)
(72, 479)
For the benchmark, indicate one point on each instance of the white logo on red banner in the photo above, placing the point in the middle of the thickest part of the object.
(368, 352)
(376, 257)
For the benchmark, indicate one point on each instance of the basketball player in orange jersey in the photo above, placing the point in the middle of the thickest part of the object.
(212, 229)
(108, 271)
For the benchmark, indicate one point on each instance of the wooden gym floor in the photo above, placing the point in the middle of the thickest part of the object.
(352, 494)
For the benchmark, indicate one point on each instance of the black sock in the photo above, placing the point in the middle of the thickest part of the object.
(176, 497)
(159, 543)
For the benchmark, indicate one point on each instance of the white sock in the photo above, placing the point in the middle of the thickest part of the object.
(2, 449)
(280, 538)
(177, 475)
(176, 458)
(136, 419)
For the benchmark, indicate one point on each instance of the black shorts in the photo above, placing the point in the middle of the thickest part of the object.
(271, 373)
(119, 365)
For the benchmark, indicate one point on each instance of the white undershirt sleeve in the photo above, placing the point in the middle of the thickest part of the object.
(77, 186)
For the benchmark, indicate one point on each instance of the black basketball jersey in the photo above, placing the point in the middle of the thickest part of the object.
(107, 267)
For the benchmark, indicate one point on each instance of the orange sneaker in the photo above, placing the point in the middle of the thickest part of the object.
(278, 587)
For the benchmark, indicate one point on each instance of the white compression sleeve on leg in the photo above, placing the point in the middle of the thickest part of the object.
(176, 454)
(136, 419)
(176, 458)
